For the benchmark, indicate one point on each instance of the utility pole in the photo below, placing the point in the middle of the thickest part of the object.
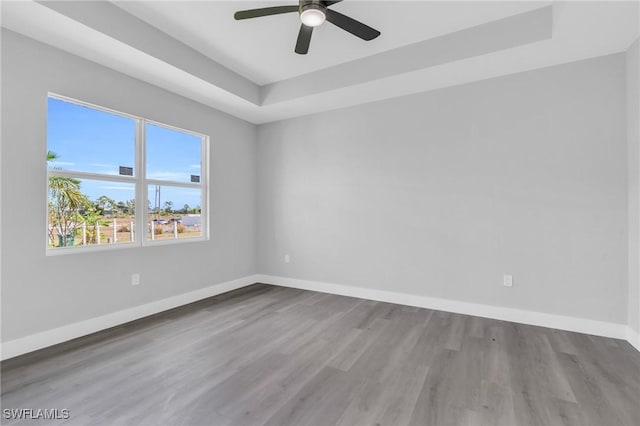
(157, 201)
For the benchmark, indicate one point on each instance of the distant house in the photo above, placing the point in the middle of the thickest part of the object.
(191, 220)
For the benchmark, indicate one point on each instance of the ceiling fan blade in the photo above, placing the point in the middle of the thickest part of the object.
(304, 39)
(330, 2)
(266, 11)
(356, 28)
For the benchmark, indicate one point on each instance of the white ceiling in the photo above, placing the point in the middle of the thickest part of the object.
(248, 68)
(261, 49)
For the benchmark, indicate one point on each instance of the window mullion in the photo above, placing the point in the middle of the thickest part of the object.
(204, 177)
(92, 176)
(173, 183)
(141, 187)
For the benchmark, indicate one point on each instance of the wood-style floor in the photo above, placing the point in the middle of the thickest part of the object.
(267, 355)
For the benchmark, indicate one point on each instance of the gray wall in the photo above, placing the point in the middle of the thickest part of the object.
(436, 194)
(441, 193)
(39, 292)
(633, 137)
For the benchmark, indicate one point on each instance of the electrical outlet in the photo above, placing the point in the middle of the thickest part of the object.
(287, 259)
(135, 279)
(508, 281)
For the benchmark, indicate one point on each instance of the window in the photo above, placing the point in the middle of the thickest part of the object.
(119, 180)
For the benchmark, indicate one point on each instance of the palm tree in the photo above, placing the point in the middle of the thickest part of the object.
(65, 202)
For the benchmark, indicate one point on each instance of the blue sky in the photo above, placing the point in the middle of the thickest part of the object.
(88, 140)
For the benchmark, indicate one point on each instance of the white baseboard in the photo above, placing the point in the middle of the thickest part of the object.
(41, 340)
(560, 322)
(633, 337)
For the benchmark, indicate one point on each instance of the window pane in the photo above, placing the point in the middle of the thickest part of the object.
(174, 213)
(84, 139)
(172, 155)
(84, 212)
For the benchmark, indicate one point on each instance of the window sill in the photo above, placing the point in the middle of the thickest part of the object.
(62, 251)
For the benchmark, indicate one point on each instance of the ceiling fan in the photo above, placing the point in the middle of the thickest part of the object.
(313, 13)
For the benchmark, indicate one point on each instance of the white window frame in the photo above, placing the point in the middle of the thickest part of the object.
(141, 184)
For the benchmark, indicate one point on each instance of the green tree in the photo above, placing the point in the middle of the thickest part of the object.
(131, 206)
(122, 208)
(91, 216)
(185, 209)
(168, 207)
(65, 203)
(105, 203)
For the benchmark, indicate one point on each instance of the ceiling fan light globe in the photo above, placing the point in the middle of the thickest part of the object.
(312, 17)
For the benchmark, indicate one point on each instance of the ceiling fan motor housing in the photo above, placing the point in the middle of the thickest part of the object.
(311, 4)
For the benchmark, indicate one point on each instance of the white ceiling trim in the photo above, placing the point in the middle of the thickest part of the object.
(507, 33)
